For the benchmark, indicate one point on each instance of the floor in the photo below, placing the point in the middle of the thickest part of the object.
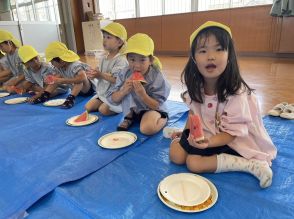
(272, 78)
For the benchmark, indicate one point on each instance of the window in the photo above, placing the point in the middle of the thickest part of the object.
(118, 9)
(35, 10)
(204, 5)
(177, 6)
(150, 8)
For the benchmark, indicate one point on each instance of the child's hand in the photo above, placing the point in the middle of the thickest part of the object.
(91, 74)
(127, 86)
(198, 144)
(139, 89)
(176, 135)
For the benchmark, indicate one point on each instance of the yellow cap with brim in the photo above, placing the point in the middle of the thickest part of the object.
(59, 50)
(7, 36)
(117, 30)
(26, 53)
(207, 25)
(142, 44)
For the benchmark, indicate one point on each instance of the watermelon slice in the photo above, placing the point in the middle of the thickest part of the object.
(83, 117)
(49, 79)
(16, 89)
(196, 129)
(137, 76)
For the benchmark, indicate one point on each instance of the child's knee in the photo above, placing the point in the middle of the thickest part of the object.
(176, 154)
(193, 163)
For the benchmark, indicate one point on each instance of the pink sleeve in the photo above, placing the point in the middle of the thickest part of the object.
(236, 117)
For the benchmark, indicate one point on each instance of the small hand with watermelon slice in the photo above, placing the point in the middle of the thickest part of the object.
(196, 137)
(137, 76)
(50, 79)
(15, 89)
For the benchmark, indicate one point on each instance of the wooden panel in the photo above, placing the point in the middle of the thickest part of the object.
(129, 24)
(152, 27)
(287, 35)
(222, 16)
(176, 30)
(252, 29)
(77, 23)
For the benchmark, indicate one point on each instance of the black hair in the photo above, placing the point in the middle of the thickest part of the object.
(228, 83)
(56, 59)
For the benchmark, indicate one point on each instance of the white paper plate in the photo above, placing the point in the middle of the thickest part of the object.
(192, 209)
(4, 94)
(92, 118)
(16, 100)
(185, 189)
(115, 140)
(55, 102)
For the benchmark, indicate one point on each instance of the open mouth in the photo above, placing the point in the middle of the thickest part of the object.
(210, 66)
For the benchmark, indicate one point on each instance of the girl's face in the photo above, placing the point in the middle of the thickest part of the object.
(211, 59)
(139, 63)
(110, 42)
(6, 47)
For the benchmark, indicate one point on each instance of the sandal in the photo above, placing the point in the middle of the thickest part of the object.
(278, 109)
(125, 124)
(69, 102)
(43, 98)
(288, 112)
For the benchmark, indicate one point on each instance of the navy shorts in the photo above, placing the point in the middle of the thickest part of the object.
(137, 117)
(204, 152)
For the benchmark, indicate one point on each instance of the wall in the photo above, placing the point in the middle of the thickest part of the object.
(254, 30)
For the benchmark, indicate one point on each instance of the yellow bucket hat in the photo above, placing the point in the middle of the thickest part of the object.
(26, 53)
(7, 36)
(206, 25)
(116, 29)
(58, 49)
(142, 44)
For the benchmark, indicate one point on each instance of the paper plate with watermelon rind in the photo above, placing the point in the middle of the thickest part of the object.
(91, 119)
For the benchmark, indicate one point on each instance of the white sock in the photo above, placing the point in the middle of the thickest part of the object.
(260, 169)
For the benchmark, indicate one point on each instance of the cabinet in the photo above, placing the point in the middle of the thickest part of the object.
(92, 37)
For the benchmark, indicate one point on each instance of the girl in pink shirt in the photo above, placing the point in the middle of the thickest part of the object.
(234, 135)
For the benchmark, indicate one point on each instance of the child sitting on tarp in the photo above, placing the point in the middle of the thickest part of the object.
(36, 73)
(142, 100)
(71, 72)
(12, 70)
(114, 38)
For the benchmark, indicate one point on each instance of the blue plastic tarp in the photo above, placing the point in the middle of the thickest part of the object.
(126, 187)
(38, 151)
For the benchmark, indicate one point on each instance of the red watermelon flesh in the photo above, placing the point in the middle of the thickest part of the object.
(137, 76)
(196, 129)
(50, 79)
(83, 117)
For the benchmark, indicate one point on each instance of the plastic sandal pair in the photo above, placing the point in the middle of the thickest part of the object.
(283, 110)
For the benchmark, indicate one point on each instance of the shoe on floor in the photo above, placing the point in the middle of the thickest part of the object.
(278, 109)
(288, 112)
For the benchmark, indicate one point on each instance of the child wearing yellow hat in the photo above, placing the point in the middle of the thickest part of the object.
(36, 73)
(114, 38)
(72, 72)
(234, 137)
(12, 72)
(141, 102)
